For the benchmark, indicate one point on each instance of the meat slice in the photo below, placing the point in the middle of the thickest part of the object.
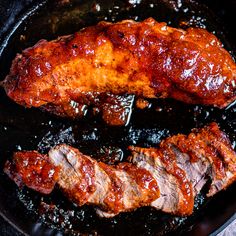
(112, 189)
(167, 177)
(147, 59)
(169, 189)
(210, 148)
(77, 173)
(197, 172)
(203, 154)
(221, 149)
(171, 163)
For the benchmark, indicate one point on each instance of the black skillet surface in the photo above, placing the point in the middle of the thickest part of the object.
(32, 129)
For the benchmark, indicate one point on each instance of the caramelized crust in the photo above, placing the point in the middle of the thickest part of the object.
(167, 178)
(33, 170)
(211, 145)
(147, 59)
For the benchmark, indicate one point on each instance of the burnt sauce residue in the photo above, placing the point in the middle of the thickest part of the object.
(147, 122)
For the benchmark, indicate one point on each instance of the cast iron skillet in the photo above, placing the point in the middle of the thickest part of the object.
(32, 213)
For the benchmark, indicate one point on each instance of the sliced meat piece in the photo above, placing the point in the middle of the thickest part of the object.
(175, 189)
(77, 175)
(169, 196)
(167, 178)
(112, 189)
(218, 142)
(191, 157)
(197, 172)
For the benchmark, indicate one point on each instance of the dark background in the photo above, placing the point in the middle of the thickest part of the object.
(10, 9)
(7, 230)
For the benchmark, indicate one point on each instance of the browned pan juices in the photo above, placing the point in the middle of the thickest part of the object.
(30, 129)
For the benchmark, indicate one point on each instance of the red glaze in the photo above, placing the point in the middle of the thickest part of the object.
(144, 179)
(186, 202)
(148, 59)
(210, 142)
(114, 198)
(33, 170)
(86, 185)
